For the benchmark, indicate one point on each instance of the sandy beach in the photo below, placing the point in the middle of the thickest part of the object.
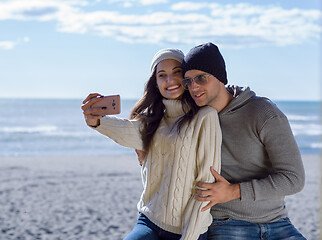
(72, 197)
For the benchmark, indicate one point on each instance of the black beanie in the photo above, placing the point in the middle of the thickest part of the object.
(206, 58)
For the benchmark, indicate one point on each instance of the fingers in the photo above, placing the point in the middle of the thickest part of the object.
(217, 177)
(203, 192)
(202, 198)
(90, 96)
(204, 185)
(92, 115)
(209, 205)
(215, 173)
(94, 111)
(90, 100)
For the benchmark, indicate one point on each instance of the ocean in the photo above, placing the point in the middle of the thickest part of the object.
(41, 127)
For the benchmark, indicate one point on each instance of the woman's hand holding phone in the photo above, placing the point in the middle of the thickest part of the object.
(95, 106)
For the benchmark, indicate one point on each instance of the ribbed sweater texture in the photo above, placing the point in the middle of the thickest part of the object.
(260, 153)
(174, 164)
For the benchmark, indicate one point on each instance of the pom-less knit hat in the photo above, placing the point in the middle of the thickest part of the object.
(168, 53)
(206, 58)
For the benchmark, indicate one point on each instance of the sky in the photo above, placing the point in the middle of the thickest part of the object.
(70, 48)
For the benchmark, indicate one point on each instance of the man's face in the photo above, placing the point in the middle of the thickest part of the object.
(207, 93)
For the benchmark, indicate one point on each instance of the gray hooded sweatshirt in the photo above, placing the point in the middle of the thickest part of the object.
(259, 152)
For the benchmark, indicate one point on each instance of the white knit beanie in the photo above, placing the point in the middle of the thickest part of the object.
(168, 53)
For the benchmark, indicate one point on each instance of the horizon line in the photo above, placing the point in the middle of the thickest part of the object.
(136, 99)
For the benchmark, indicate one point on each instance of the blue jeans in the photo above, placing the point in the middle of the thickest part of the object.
(230, 229)
(147, 230)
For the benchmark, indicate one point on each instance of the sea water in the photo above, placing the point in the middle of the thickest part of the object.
(30, 127)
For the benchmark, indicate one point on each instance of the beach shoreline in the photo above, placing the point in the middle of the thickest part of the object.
(95, 197)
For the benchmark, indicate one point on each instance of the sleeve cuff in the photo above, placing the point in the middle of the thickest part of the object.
(246, 191)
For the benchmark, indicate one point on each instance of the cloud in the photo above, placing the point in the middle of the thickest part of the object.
(7, 45)
(37, 10)
(127, 4)
(229, 25)
(41, 11)
(246, 24)
(26, 39)
(188, 6)
(150, 2)
(130, 3)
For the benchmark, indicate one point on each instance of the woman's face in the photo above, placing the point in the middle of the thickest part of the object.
(169, 77)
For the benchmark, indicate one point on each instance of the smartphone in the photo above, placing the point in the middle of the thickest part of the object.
(112, 104)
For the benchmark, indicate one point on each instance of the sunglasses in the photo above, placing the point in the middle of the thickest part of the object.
(199, 79)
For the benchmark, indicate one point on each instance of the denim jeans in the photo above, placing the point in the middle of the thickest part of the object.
(230, 229)
(147, 230)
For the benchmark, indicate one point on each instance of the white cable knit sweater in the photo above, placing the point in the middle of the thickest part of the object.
(174, 163)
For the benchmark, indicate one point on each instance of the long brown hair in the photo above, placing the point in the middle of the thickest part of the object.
(149, 110)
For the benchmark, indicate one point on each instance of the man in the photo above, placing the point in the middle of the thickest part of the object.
(261, 163)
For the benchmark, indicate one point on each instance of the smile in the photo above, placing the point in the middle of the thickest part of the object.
(174, 87)
(197, 95)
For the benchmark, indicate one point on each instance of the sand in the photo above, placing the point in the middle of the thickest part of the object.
(72, 197)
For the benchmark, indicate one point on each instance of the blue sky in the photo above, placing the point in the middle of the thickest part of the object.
(66, 49)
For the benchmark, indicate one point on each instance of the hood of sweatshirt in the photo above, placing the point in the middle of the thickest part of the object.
(241, 95)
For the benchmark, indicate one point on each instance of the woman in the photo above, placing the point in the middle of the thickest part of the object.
(181, 142)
